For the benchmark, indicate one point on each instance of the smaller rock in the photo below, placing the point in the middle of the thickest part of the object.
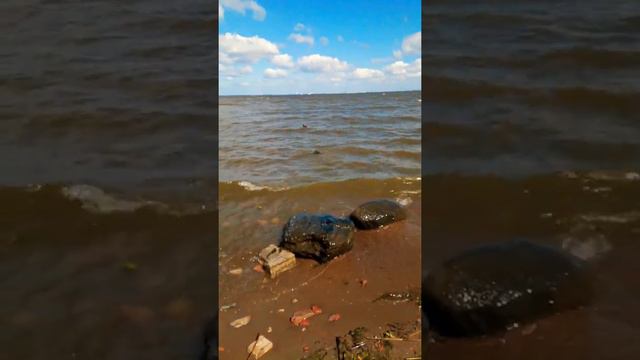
(488, 289)
(237, 271)
(227, 307)
(377, 213)
(259, 347)
(240, 322)
(276, 260)
(334, 317)
(316, 152)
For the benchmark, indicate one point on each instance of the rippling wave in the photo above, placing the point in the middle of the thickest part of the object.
(242, 190)
(285, 141)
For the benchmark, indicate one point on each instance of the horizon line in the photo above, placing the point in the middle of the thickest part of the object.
(336, 93)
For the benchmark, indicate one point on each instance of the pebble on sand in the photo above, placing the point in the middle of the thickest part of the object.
(241, 321)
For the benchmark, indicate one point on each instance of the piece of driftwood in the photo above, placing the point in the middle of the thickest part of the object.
(276, 260)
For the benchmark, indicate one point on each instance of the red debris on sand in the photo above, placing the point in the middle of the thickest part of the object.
(220, 349)
(334, 317)
(305, 349)
(305, 323)
(300, 316)
(316, 309)
(258, 268)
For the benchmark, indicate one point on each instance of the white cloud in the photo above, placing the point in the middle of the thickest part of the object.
(237, 48)
(283, 61)
(301, 39)
(340, 38)
(402, 69)
(275, 73)
(220, 12)
(230, 71)
(364, 73)
(411, 45)
(321, 64)
(324, 41)
(241, 6)
(298, 27)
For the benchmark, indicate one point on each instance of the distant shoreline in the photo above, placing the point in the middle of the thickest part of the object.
(314, 94)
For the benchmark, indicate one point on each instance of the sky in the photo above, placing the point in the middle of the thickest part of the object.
(277, 47)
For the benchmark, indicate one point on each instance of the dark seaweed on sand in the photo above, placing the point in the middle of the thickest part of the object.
(355, 345)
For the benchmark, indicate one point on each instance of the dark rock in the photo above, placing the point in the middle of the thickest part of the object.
(316, 152)
(377, 213)
(320, 237)
(488, 289)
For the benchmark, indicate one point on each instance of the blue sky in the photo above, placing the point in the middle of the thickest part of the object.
(294, 46)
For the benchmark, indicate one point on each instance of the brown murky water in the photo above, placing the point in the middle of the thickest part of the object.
(107, 178)
(517, 93)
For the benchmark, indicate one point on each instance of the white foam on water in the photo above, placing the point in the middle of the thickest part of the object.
(614, 176)
(587, 248)
(251, 187)
(602, 175)
(95, 199)
(404, 201)
(621, 218)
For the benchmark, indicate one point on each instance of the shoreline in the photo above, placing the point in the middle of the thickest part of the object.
(385, 258)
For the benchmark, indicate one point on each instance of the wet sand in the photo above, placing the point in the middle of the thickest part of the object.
(388, 259)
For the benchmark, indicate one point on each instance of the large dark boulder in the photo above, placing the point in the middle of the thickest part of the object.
(488, 289)
(377, 213)
(320, 237)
